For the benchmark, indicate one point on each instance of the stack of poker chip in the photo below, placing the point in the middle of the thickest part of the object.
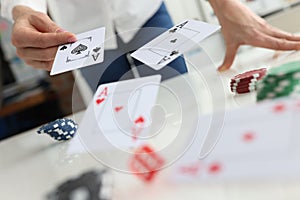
(60, 129)
(280, 81)
(246, 82)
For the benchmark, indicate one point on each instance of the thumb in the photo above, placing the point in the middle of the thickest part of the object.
(231, 51)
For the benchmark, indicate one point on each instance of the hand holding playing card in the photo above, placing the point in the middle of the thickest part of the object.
(36, 37)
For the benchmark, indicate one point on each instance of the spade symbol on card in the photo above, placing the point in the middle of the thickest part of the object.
(173, 53)
(182, 24)
(63, 48)
(173, 41)
(173, 30)
(96, 49)
(79, 49)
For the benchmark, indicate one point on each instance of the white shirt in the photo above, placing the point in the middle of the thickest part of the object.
(82, 15)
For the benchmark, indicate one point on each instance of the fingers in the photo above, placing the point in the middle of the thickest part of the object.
(45, 65)
(231, 51)
(29, 38)
(38, 54)
(266, 41)
(275, 32)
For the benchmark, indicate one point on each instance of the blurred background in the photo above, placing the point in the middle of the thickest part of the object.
(30, 97)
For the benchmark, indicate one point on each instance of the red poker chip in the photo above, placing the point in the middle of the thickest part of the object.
(252, 74)
(244, 90)
(245, 80)
(243, 85)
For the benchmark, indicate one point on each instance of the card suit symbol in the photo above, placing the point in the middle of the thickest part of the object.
(63, 48)
(173, 53)
(118, 108)
(97, 49)
(139, 120)
(173, 41)
(173, 30)
(279, 108)
(99, 101)
(78, 50)
(215, 168)
(182, 24)
(248, 137)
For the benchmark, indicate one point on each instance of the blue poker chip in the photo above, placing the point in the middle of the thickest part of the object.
(60, 129)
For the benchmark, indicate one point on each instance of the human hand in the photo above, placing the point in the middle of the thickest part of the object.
(36, 37)
(240, 26)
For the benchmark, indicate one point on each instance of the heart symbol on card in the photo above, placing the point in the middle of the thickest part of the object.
(215, 168)
(99, 101)
(279, 108)
(119, 108)
(139, 120)
(248, 137)
(97, 49)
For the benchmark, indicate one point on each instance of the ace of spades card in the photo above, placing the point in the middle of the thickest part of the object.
(86, 51)
(174, 42)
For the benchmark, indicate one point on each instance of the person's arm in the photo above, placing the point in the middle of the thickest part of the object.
(240, 26)
(36, 37)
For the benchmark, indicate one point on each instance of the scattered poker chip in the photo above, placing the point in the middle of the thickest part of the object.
(94, 185)
(281, 81)
(246, 82)
(60, 129)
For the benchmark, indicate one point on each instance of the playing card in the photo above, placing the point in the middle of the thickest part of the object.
(257, 142)
(118, 111)
(86, 51)
(173, 43)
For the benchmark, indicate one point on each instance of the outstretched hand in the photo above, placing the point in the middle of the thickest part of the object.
(36, 37)
(240, 26)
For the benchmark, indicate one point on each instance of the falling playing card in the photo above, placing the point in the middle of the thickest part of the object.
(118, 114)
(258, 142)
(86, 51)
(173, 43)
